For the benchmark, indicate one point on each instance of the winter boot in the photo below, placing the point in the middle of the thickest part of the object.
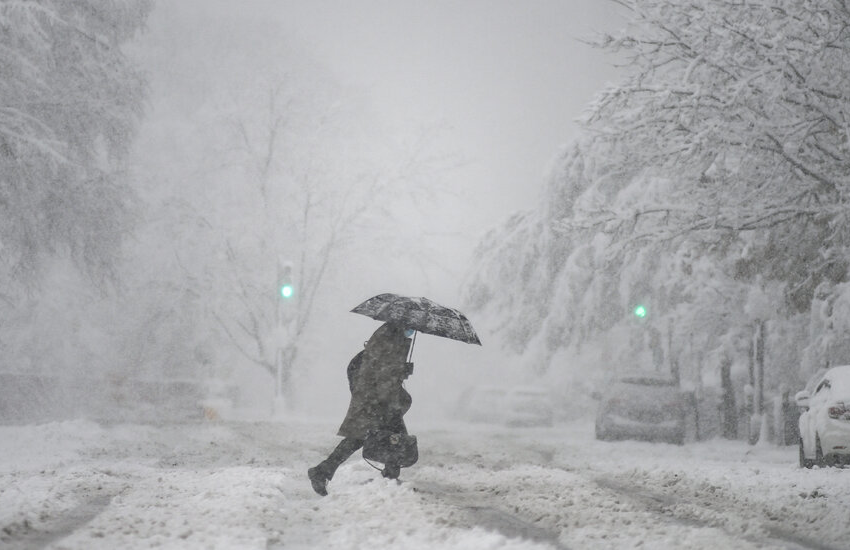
(391, 471)
(318, 480)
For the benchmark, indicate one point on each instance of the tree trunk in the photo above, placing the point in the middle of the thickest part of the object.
(729, 413)
(671, 359)
(759, 369)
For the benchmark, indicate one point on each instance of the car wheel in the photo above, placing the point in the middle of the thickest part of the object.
(829, 460)
(804, 462)
(818, 452)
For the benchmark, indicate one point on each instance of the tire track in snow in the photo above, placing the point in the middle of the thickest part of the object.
(666, 505)
(486, 516)
(27, 537)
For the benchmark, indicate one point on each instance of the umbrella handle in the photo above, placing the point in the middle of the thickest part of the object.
(410, 353)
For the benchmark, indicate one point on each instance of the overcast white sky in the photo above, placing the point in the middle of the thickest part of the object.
(508, 77)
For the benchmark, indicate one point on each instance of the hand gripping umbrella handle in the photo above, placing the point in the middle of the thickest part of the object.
(410, 353)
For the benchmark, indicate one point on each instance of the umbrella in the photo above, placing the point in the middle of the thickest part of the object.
(420, 314)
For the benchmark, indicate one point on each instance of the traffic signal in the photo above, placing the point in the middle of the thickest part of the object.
(639, 311)
(284, 281)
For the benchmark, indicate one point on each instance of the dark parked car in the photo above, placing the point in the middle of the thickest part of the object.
(646, 406)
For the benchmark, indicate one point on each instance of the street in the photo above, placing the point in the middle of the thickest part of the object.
(81, 485)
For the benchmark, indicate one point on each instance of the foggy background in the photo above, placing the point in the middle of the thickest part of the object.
(489, 91)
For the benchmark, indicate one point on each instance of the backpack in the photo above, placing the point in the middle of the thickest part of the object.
(354, 369)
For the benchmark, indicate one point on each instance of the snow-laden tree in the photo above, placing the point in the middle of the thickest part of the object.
(710, 186)
(738, 111)
(742, 108)
(541, 287)
(69, 105)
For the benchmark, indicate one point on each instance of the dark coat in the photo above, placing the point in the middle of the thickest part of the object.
(378, 398)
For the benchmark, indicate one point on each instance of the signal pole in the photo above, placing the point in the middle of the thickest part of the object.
(285, 293)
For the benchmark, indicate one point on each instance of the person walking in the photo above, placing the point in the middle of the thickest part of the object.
(378, 400)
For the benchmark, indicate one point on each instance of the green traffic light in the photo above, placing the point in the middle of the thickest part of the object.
(286, 291)
(640, 311)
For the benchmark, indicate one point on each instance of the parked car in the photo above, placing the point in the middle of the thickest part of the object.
(642, 405)
(825, 418)
(520, 406)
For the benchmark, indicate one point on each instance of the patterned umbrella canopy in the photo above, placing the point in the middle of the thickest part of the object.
(419, 314)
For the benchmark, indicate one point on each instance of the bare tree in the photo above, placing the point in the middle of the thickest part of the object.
(312, 196)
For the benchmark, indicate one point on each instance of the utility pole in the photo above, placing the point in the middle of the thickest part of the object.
(757, 416)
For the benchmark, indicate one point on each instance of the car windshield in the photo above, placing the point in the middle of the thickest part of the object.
(815, 380)
(839, 381)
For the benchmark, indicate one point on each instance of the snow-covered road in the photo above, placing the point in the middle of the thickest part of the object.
(80, 485)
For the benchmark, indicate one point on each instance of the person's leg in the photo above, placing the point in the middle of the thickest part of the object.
(323, 472)
(345, 449)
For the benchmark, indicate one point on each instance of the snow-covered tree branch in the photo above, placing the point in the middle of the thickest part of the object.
(69, 105)
(747, 113)
(717, 170)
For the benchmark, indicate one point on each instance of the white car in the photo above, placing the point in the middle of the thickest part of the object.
(825, 418)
